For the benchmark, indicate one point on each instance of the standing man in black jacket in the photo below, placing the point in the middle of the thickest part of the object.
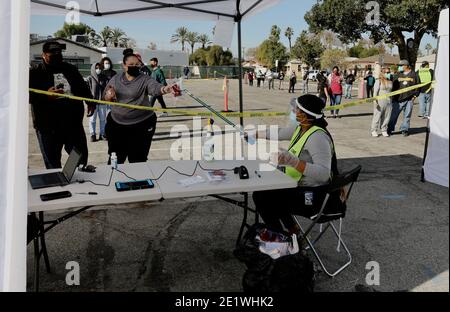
(406, 78)
(58, 121)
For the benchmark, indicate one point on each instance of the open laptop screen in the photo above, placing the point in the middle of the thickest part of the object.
(71, 164)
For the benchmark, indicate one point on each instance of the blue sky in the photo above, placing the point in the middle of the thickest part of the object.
(255, 29)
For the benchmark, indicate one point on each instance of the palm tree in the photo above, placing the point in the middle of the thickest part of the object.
(104, 37)
(180, 36)
(118, 37)
(192, 39)
(428, 47)
(204, 40)
(289, 34)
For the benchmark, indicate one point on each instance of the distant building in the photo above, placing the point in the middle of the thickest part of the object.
(374, 63)
(429, 58)
(37, 37)
(165, 58)
(75, 53)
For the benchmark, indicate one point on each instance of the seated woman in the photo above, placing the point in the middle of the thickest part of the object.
(130, 131)
(310, 160)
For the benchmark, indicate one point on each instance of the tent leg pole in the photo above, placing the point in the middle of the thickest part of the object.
(36, 259)
(241, 96)
(43, 244)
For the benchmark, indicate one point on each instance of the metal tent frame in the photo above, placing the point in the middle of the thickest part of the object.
(158, 5)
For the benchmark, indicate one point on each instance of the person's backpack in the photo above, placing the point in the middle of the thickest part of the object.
(293, 273)
(370, 81)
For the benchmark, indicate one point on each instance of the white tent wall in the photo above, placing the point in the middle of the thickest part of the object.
(14, 47)
(437, 158)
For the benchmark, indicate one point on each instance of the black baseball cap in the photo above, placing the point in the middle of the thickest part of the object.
(52, 46)
(425, 63)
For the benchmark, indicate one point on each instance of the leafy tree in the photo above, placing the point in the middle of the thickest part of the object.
(204, 40)
(102, 39)
(360, 51)
(69, 30)
(308, 48)
(391, 47)
(152, 46)
(199, 57)
(180, 36)
(216, 56)
(272, 49)
(333, 57)
(289, 33)
(416, 17)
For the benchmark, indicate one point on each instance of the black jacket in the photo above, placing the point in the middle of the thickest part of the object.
(53, 114)
(407, 80)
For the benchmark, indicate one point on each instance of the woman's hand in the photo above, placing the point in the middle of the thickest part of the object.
(174, 89)
(285, 158)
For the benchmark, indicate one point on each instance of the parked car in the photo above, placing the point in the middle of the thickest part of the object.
(313, 75)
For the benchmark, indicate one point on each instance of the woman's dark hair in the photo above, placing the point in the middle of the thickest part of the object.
(127, 53)
(102, 62)
(335, 67)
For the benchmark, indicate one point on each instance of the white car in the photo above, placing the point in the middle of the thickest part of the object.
(313, 74)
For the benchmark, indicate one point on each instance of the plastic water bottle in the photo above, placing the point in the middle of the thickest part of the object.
(114, 164)
(208, 146)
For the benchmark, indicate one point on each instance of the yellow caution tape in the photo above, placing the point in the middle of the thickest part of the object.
(230, 114)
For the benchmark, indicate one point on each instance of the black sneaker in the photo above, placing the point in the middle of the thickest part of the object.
(405, 133)
(102, 138)
(93, 138)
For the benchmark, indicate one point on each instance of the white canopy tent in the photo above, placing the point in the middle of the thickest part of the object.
(437, 153)
(14, 43)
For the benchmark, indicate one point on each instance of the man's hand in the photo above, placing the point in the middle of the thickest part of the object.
(110, 94)
(55, 90)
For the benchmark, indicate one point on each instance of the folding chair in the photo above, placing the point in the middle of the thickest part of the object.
(331, 211)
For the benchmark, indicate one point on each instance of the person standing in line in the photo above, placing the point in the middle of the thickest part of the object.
(322, 88)
(108, 72)
(383, 107)
(281, 79)
(250, 79)
(130, 131)
(270, 80)
(186, 72)
(370, 83)
(406, 78)
(292, 82)
(259, 75)
(58, 120)
(335, 83)
(158, 75)
(97, 83)
(349, 80)
(305, 82)
(426, 75)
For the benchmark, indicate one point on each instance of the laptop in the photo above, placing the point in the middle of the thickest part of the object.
(57, 178)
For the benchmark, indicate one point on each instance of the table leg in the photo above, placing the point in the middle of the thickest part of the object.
(37, 256)
(244, 220)
(43, 244)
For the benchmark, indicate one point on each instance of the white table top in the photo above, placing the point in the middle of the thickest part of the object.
(171, 188)
(106, 195)
(167, 187)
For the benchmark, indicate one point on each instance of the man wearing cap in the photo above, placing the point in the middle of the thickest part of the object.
(58, 120)
(426, 75)
(310, 161)
(406, 78)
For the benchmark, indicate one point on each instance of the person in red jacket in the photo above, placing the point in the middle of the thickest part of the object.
(335, 82)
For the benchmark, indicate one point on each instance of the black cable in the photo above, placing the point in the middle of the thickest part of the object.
(125, 175)
(99, 184)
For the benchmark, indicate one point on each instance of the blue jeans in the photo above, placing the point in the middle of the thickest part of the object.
(336, 100)
(101, 112)
(348, 91)
(424, 104)
(305, 87)
(397, 108)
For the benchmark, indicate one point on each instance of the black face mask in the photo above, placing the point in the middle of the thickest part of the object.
(133, 71)
(55, 60)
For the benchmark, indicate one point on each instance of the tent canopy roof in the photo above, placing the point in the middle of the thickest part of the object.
(212, 10)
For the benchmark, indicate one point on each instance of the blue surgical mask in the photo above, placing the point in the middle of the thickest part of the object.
(293, 118)
(401, 69)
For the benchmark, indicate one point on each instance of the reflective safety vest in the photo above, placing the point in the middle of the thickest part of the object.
(298, 142)
(425, 76)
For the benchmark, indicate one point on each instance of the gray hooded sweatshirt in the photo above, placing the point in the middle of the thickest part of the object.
(96, 83)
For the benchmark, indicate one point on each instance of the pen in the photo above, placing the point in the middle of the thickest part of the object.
(90, 193)
(256, 172)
